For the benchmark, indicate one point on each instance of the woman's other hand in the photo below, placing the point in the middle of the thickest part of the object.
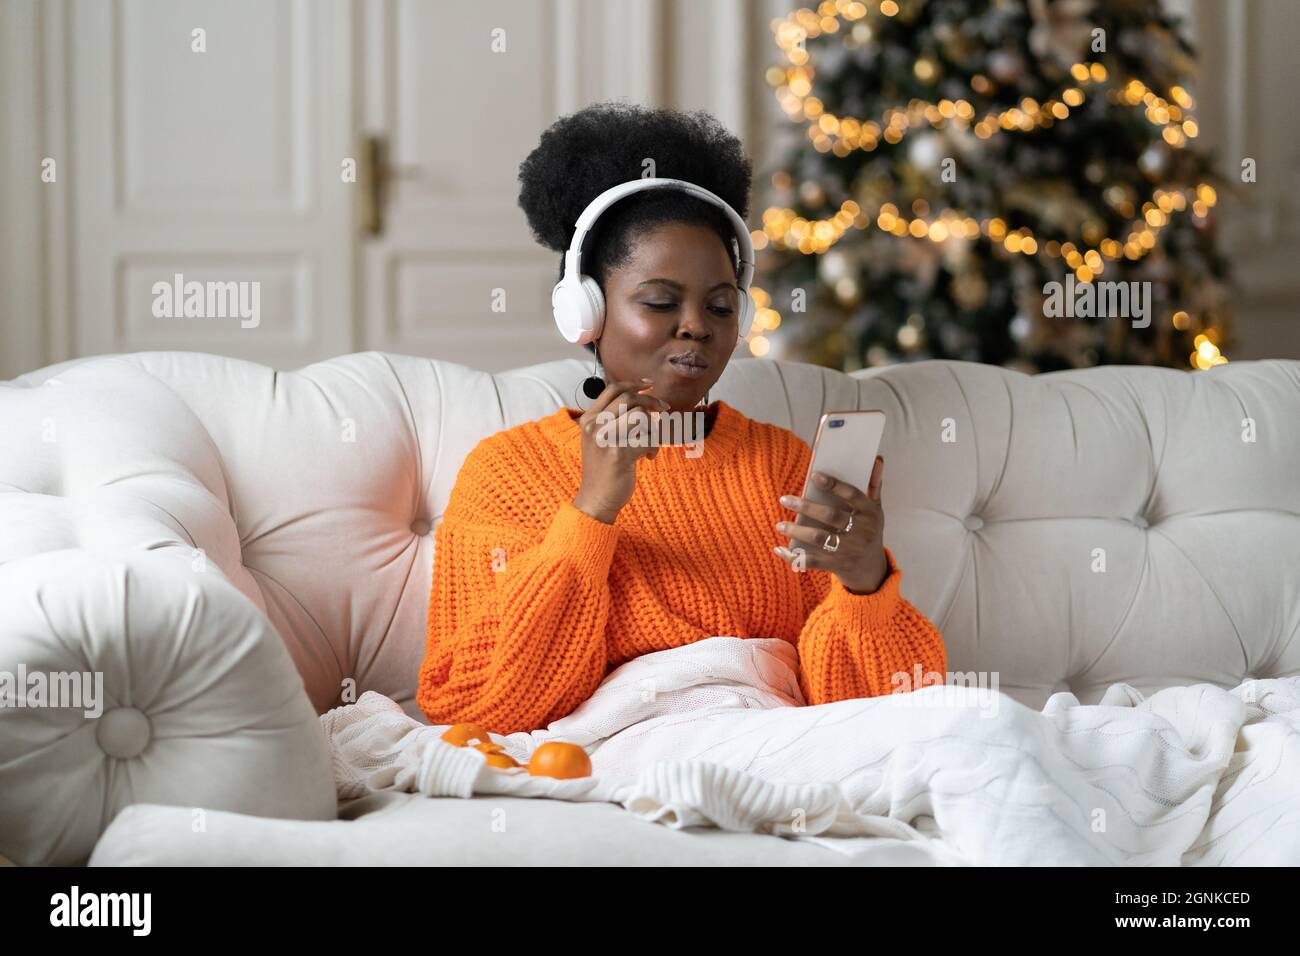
(859, 561)
(608, 466)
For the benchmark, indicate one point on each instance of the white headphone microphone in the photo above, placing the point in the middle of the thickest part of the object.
(577, 301)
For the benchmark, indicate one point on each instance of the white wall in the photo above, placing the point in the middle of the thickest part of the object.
(24, 216)
(1249, 106)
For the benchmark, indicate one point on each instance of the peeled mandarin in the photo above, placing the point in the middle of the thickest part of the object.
(495, 757)
(462, 734)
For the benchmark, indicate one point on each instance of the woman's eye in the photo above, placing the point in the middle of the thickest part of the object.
(715, 309)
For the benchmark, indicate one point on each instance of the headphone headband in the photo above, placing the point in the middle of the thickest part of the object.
(576, 299)
(573, 258)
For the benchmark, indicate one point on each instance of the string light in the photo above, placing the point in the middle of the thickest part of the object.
(1207, 354)
(783, 226)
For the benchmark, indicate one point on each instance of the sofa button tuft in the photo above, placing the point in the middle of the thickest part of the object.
(973, 522)
(123, 732)
(420, 527)
(1141, 522)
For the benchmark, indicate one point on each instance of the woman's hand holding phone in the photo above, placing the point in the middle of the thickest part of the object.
(609, 468)
(859, 561)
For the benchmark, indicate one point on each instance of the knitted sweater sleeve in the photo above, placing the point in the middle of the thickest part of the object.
(516, 625)
(858, 645)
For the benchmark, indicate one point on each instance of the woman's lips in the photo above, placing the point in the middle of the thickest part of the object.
(688, 371)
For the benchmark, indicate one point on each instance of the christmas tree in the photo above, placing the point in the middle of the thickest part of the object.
(982, 180)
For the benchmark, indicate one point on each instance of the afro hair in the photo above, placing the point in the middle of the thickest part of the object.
(583, 154)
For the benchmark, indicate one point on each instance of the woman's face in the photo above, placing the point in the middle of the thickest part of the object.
(676, 294)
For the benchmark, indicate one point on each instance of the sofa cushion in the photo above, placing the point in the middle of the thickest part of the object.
(405, 829)
(171, 688)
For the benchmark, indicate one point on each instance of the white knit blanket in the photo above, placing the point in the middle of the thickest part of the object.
(716, 734)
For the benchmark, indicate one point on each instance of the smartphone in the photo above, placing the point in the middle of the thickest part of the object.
(845, 448)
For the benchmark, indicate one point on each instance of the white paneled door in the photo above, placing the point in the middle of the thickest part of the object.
(206, 209)
(458, 94)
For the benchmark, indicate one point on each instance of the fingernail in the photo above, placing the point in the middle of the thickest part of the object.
(647, 379)
(821, 479)
(787, 500)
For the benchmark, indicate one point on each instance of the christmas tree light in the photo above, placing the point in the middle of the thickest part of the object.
(1019, 148)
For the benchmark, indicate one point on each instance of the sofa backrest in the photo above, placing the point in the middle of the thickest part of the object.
(1064, 531)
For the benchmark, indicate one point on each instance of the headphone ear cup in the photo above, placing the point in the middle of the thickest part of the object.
(579, 309)
(593, 306)
(746, 316)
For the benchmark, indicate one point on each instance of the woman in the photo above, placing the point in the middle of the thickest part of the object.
(562, 554)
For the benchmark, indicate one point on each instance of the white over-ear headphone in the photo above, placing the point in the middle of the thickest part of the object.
(577, 301)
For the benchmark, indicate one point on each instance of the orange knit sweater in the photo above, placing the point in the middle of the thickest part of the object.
(534, 602)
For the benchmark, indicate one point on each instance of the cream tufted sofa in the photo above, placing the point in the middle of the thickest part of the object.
(232, 548)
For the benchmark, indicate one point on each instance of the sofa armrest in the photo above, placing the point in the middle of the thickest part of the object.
(139, 678)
